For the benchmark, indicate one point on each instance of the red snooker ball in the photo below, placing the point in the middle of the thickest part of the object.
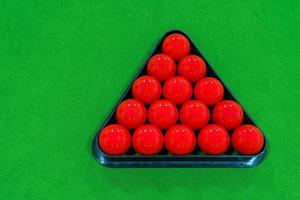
(147, 140)
(192, 67)
(114, 139)
(176, 46)
(161, 66)
(209, 90)
(131, 113)
(163, 113)
(180, 140)
(213, 139)
(146, 89)
(228, 114)
(194, 114)
(247, 140)
(178, 90)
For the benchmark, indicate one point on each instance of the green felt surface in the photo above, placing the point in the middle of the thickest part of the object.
(64, 64)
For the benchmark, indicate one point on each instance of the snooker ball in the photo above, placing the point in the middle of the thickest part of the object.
(228, 114)
(247, 140)
(131, 113)
(114, 139)
(209, 90)
(194, 114)
(213, 139)
(192, 67)
(146, 89)
(147, 140)
(178, 89)
(163, 113)
(161, 66)
(180, 140)
(176, 46)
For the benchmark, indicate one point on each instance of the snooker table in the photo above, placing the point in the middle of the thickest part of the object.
(64, 65)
